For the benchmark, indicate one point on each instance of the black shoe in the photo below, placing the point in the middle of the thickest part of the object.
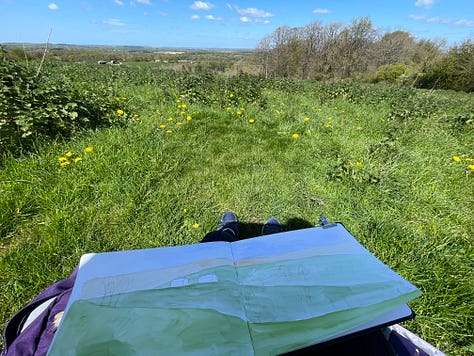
(272, 226)
(229, 223)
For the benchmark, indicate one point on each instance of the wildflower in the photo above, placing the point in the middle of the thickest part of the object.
(239, 112)
(77, 159)
(89, 149)
(178, 101)
(168, 131)
(117, 98)
(469, 159)
(471, 167)
(179, 123)
(179, 106)
(183, 112)
(183, 106)
(188, 118)
(68, 154)
(359, 164)
(170, 119)
(295, 135)
(62, 159)
(306, 119)
(185, 210)
(162, 126)
(328, 125)
(278, 112)
(65, 163)
(195, 226)
(228, 108)
(120, 112)
(251, 121)
(456, 158)
(231, 95)
(124, 98)
(359, 128)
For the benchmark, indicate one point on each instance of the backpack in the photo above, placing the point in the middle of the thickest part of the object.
(31, 330)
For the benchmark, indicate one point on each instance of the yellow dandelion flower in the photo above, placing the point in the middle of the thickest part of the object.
(328, 125)
(178, 101)
(183, 106)
(231, 95)
(188, 118)
(183, 112)
(251, 121)
(469, 159)
(77, 159)
(471, 167)
(359, 164)
(89, 149)
(124, 98)
(170, 119)
(228, 108)
(306, 119)
(162, 126)
(65, 163)
(185, 210)
(179, 123)
(62, 159)
(456, 158)
(195, 226)
(168, 131)
(295, 135)
(239, 112)
(120, 112)
(117, 98)
(135, 115)
(179, 106)
(68, 154)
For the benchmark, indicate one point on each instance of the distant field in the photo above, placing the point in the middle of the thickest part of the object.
(394, 165)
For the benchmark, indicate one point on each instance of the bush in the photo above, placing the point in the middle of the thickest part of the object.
(36, 105)
(392, 73)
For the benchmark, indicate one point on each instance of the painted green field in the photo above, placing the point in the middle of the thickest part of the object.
(394, 165)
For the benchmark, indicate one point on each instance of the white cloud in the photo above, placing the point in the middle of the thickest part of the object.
(427, 4)
(53, 6)
(464, 22)
(210, 17)
(253, 12)
(118, 2)
(201, 5)
(245, 19)
(416, 17)
(195, 17)
(321, 11)
(146, 2)
(114, 22)
(438, 19)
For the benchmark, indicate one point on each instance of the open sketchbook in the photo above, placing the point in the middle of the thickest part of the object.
(260, 296)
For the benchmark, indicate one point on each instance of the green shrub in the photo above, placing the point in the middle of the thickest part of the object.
(34, 105)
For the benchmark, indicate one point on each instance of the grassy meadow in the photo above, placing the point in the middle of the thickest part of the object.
(394, 165)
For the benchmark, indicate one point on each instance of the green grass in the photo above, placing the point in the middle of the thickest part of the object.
(392, 182)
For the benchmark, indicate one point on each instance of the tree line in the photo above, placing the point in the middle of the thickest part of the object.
(360, 52)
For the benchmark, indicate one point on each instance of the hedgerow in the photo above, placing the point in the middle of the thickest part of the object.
(39, 104)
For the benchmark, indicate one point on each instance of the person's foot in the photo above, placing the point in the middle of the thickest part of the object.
(229, 223)
(272, 226)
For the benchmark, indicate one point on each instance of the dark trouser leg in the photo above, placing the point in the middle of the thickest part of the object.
(219, 235)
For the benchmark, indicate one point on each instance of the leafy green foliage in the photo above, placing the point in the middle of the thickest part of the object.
(48, 105)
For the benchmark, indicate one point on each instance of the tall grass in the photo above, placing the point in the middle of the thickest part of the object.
(363, 155)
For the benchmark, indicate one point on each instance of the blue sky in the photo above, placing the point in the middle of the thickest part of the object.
(219, 24)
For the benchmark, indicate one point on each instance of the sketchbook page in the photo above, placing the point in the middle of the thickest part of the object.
(305, 286)
(164, 300)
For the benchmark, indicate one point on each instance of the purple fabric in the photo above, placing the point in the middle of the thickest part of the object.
(37, 337)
